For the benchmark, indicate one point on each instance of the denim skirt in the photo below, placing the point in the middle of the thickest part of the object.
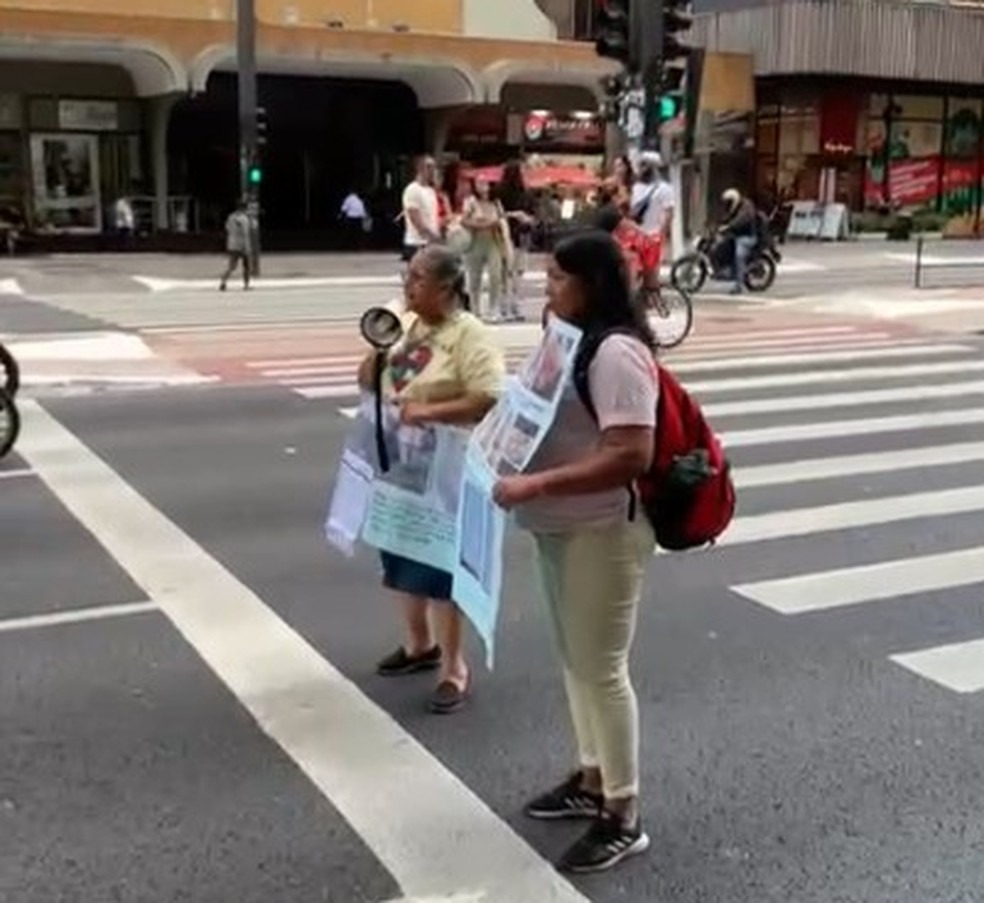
(416, 579)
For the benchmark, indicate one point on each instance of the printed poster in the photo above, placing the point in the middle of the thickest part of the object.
(503, 444)
(434, 504)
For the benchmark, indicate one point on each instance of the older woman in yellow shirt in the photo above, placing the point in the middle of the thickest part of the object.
(447, 369)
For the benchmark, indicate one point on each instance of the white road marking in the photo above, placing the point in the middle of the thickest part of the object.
(10, 287)
(804, 471)
(862, 426)
(899, 349)
(16, 474)
(423, 824)
(867, 583)
(797, 522)
(76, 616)
(853, 375)
(955, 666)
(842, 399)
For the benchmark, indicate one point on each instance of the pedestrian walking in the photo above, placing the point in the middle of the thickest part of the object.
(239, 245)
(356, 223)
(592, 548)
(517, 202)
(421, 210)
(485, 220)
(447, 369)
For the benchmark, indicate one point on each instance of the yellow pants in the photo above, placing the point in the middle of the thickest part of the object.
(592, 581)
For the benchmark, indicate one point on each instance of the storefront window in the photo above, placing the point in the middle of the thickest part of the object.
(918, 107)
(66, 181)
(10, 167)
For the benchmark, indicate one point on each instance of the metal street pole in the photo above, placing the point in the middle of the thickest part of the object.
(248, 136)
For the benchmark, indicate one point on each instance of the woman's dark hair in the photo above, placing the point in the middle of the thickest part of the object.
(629, 176)
(448, 270)
(512, 189)
(595, 259)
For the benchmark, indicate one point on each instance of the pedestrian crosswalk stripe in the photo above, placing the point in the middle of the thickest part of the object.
(862, 426)
(899, 349)
(798, 522)
(849, 339)
(955, 666)
(804, 471)
(843, 399)
(853, 374)
(867, 583)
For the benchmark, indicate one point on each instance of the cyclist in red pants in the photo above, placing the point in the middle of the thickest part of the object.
(643, 252)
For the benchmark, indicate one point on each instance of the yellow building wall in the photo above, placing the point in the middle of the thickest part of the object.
(434, 16)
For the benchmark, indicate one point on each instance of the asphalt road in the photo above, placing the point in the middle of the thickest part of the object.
(811, 733)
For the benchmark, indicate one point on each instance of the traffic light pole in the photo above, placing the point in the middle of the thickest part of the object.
(248, 134)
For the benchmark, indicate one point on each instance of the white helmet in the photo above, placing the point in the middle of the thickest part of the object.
(731, 198)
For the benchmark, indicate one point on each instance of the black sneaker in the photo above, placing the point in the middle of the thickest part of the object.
(400, 663)
(569, 800)
(607, 843)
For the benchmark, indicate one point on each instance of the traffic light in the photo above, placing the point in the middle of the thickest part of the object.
(677, 20)
(254, 175)
(261, 126)
(613, 38)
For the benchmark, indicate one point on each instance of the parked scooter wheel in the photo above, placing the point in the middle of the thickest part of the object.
(760, 273)
(9, 423)
(689, 273)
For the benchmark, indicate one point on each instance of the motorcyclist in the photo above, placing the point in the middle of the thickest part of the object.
(738, 235)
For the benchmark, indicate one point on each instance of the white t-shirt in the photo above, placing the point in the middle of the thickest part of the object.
(661, 201)
(422, 198)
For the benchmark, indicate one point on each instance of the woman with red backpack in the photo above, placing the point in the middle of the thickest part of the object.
(591, 550)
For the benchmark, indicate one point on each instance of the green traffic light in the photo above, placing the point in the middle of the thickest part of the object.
(669, 107)
(255, 175)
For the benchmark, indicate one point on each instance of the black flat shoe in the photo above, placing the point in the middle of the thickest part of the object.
(400, 664)
(448, 698)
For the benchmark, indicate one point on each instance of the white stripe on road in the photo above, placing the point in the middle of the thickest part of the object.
(76, 616)
(842, 399)
(956, 666)
(855, 374)
(853, 465)
(799, 522)
(16, 474)
(840, 429)
(10, 287)
(867, 583)
(423, 824)
(343, 363)
(833, 357)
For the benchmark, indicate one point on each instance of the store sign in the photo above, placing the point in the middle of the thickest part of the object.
(88, 115)
(571, 131)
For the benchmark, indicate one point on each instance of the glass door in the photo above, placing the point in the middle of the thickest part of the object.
(66, 182)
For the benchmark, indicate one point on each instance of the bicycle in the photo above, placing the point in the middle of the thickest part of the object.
(674, 313)
(10, 371)
(10, 422)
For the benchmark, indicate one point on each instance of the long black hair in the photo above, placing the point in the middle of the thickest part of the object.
(594, 258)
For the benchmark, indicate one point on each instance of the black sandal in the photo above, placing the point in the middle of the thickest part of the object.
(400, 663)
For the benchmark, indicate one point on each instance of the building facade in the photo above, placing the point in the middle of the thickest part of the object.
(103, 99)
(874, 103)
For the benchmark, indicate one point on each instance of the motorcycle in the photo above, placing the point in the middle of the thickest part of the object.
(691, 271)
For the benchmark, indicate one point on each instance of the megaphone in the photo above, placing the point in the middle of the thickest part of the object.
(381, 328)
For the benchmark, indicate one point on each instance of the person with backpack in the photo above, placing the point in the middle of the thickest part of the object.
(591, 555)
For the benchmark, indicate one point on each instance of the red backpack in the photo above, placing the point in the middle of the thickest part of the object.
(687, 494)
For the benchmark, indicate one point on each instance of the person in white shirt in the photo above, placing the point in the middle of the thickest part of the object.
(653, 199)
(355, 219)
(421, 216)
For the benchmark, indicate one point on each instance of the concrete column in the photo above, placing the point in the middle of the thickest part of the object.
(160, 116)
(438, 128)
